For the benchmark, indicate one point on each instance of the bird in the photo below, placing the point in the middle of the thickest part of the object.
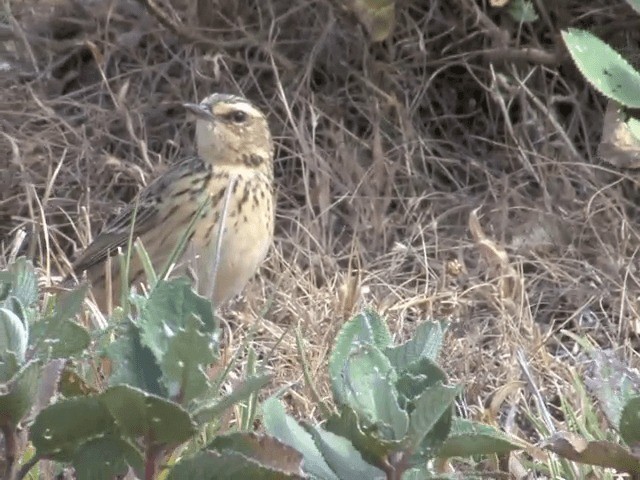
(228, 185)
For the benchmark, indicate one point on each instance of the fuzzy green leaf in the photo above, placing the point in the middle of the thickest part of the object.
(612, 382)
(416, 378)
(63, 427)
(430, 421)
(267, 451)
(57, 338)
(425, 343)
(603, 67)
(134, 364)
(185, 361)
(630, 422)
(368, 386)
(105, 457)
(371, 446)
(9, 366)
(635, 4)
(228, 465)
(17, 395)
(468, 438)
(365, 329)
(140, 414)
(14, 336)
(179, 328)
(289, 432)
(341, 456)
(69, 305)
(20, 281)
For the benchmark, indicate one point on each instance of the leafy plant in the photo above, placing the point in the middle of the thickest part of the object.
(394, 409)
(603, 67)
(618, 80)
(29, 339)
(617, 389)
(158, 396)
(615, 386)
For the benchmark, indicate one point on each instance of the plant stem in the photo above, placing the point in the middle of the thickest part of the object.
(11, 449)
(26, 467)
(150, 463)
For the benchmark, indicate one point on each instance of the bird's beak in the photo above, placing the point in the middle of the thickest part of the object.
(200, 111)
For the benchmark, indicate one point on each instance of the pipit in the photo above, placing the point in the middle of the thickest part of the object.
(228, 186)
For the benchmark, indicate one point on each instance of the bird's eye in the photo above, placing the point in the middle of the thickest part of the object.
(238, 116)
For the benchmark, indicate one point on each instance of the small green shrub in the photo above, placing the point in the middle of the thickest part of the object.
(158, 395)
(394, 409)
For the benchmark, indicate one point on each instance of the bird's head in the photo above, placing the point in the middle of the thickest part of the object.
(230, 130)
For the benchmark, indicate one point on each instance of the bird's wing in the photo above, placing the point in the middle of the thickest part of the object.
(146, 208)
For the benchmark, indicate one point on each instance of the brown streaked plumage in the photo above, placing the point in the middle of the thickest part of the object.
(234, 149)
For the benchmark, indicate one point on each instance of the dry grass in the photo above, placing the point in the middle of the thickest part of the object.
(385, 151)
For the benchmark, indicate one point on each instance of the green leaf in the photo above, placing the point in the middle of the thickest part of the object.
(287, 430)
(213, 410)
(419, 376)
(134, 364)
(56, 338)
(17, 396)
(635, 4)
(63, 427)
(184, 363)
(5, 284)
(387, 409)
(612, 382)
(368, 386)
(425, 343)
(267, 451)
(603, 67)
(208, 465)
(248, 408)
(69, 305)
(468, 438)
(522, 11)
(21, 281)
(170, 304)
(140, 414)
(434, 404)
(179, 328)
(13, 304)
(634, 127)
(341, 456)
(14, 336)
(630, 422)
(365, 329)
(371, 446)
(105, 457)
(9, 366)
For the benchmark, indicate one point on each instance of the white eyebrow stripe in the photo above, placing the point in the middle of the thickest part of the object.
(246, 108)
(234, 101)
